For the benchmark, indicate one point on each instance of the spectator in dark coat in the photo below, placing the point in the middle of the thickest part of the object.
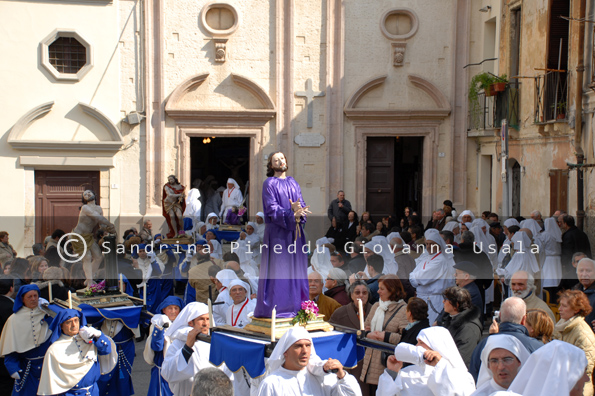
(6, 303)
(375, 267)
(417, 316)
(463, 321)
(513, 315)
(356, 262)
(573, 240)
(465, 252)
(585, 271)
(465, 276)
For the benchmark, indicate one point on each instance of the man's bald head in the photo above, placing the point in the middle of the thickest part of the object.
(513, 310)
(233, 265)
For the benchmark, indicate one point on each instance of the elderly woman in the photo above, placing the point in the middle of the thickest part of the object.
(539, 325)
(336, 283)
(386, 322)
(585, 271)
(348, 316)
(463, 321)
(572, 328)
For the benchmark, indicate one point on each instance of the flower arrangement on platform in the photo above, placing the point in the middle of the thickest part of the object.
(95, 289)
(308, 312)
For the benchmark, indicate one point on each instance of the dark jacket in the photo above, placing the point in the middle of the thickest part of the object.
(350, 232)
(338, 236)
(6, 381)
(590, 292)
(465, 329)
(573, 240)
(357, 264)
(339, 294)
(476, 295)
(340, 213)
(373, 285)
(465, 252)
(513, 329)
(410, 336)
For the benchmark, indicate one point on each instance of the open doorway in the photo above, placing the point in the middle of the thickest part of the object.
(215, 159)
(393, 175)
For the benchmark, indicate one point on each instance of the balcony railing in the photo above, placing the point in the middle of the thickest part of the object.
(551, 97)
(489, 111)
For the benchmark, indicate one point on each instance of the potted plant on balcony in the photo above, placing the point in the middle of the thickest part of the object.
(499, 84)
(478, 82)
(561, 111)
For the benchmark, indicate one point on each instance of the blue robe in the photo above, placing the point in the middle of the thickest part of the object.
(31, 363)
(90, 379)
(119, 381)
(158, 386)
(283, 276)
(154, 296)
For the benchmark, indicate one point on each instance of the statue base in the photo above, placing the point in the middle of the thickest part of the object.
(263, 325)
(99, 301)
(230, 227)
(179, 240)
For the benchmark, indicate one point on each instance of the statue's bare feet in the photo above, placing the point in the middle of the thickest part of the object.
(89, 283)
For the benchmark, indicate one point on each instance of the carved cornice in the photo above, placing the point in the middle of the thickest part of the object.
(395, 115)
(16, 133)
(363, 90)
(182, 89)
(207, 118)
(429, 88)
(255, 90)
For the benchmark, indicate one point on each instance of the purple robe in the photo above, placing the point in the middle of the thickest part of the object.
(283, 274)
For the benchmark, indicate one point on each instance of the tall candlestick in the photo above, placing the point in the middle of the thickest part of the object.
(145, 294)
(121, 284)
(361, 313)
(211, 322)
(273, 317)
(50, 292)
(69, 299)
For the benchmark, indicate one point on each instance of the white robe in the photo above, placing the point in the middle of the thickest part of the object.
(302, 383)
(430, 277)
(217, 251)
(179, 373)
(425, 380)
(193, 205)
(240, 315)
(220, 310)
(259, 230)
(487, 388)
(230, 199)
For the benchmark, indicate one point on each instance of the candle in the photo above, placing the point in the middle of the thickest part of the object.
(145, 294)
(50, 292)
(69, 299)
(121, 284)
(273, 317)
(361, 313)
(211, 323)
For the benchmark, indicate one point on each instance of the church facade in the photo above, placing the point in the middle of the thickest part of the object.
(367, 96)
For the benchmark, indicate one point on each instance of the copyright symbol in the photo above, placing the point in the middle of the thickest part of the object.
(70, 240)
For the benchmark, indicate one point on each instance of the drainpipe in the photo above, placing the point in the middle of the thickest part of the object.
(578, 127)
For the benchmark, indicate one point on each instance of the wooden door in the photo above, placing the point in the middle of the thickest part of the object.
(558, 190)
(58, 197)
(380, 176)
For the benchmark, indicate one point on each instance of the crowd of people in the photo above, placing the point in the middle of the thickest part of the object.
(432, 291)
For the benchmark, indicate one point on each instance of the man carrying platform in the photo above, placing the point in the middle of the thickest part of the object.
(76, 358)
(295, 369)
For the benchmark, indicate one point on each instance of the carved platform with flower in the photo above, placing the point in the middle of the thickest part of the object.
(264, 325)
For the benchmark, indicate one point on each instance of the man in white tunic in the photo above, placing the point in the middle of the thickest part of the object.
(186, 356)
(232, 196)
(296, 370)
(434, 273)
(240, 313)
(222, 280)
(193, 209)
(437, 370)
(502, 358)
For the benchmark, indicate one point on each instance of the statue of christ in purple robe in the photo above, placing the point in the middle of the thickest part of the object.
(283, 269)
